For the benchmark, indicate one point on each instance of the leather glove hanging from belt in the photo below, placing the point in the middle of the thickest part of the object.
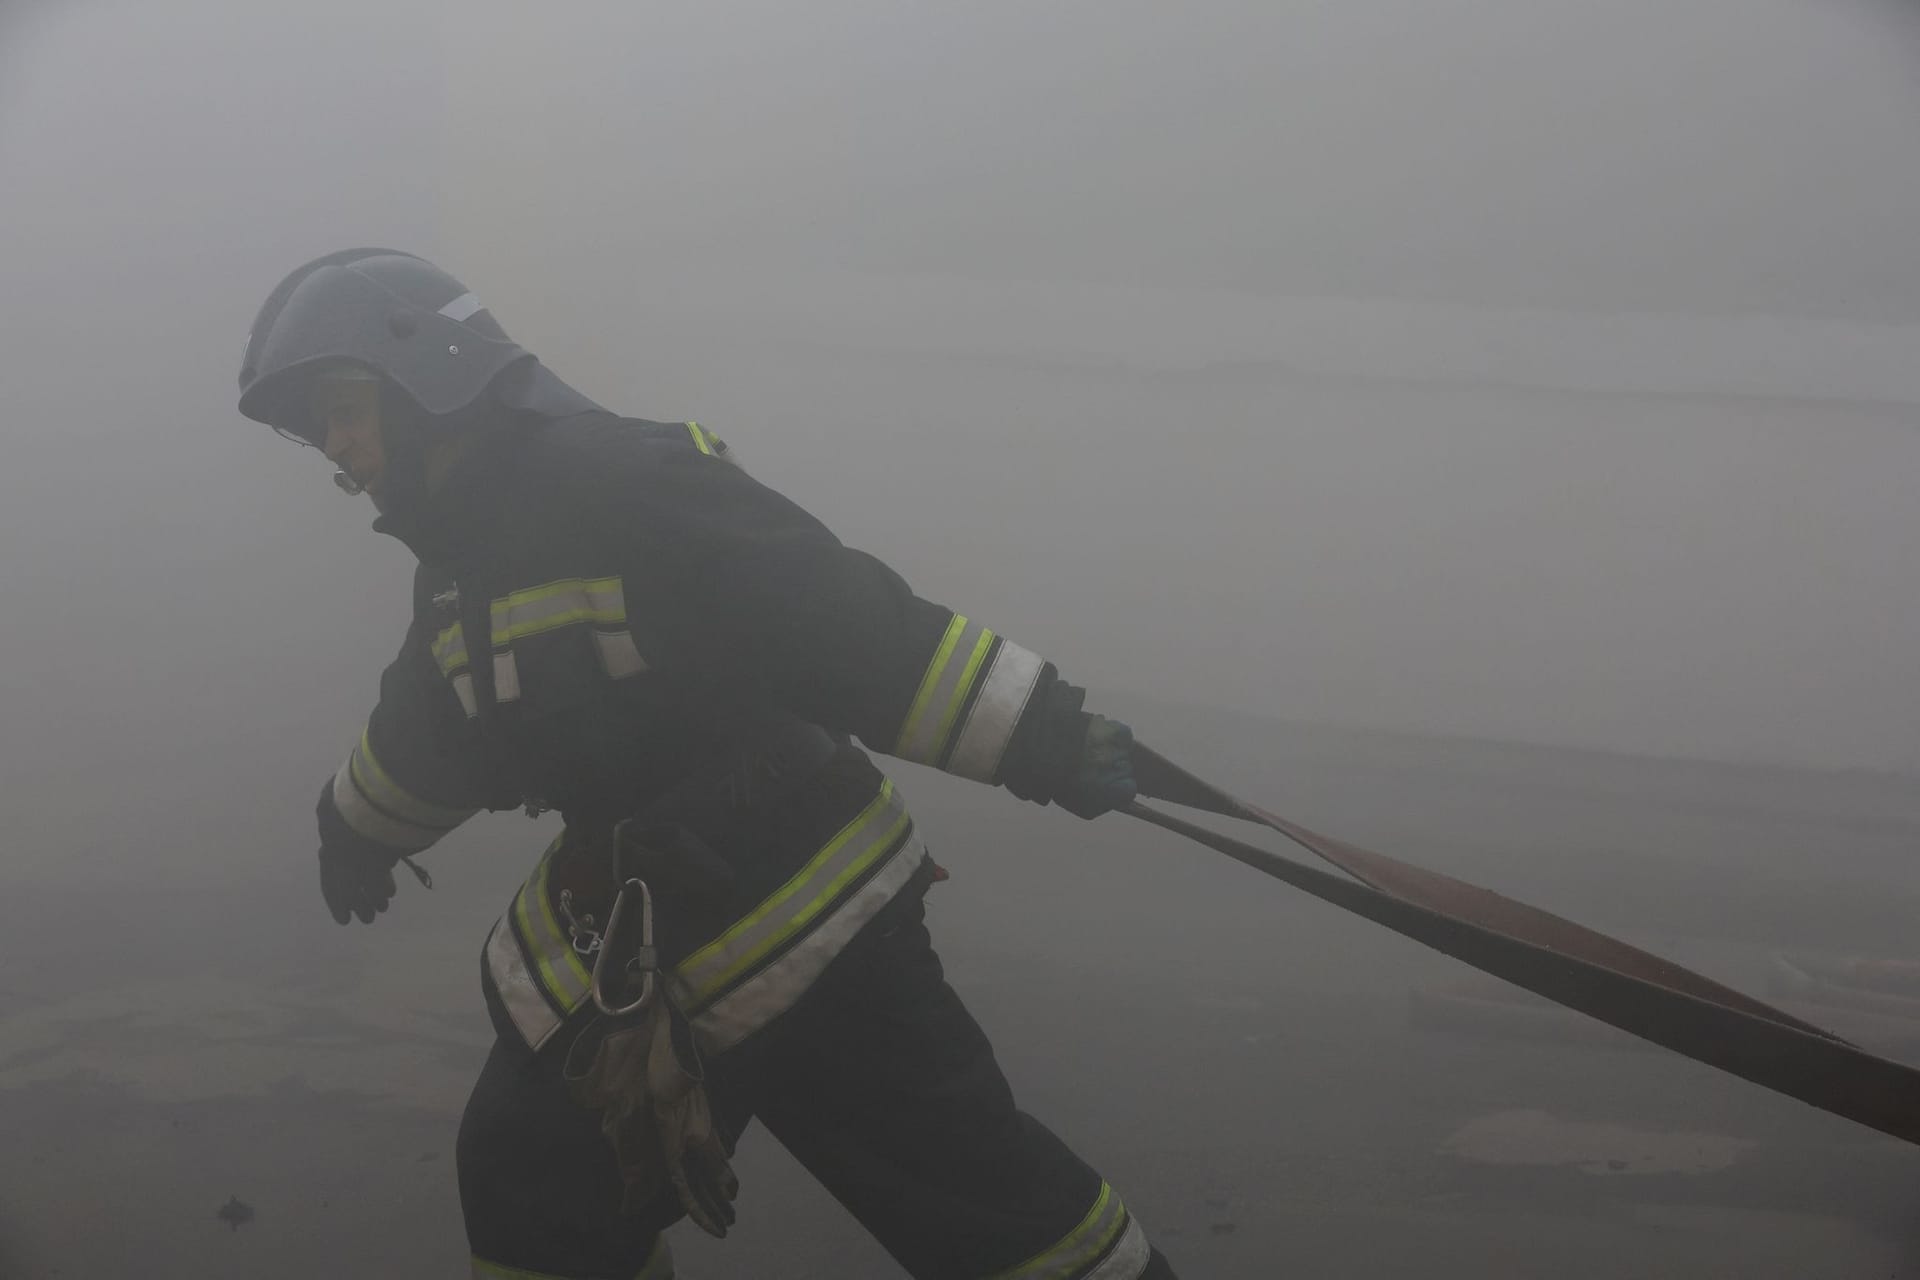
(644, 1077)
(637, 1064)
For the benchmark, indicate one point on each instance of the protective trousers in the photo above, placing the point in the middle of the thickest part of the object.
(878, 1081)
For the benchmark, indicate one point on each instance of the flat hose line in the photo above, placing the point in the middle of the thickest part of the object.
(1602, 977)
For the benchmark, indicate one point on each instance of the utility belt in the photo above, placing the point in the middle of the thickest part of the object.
(681, 844)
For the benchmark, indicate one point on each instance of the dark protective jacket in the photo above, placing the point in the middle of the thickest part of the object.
(642, 610)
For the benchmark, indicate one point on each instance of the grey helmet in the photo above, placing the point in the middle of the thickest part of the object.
(392, 312)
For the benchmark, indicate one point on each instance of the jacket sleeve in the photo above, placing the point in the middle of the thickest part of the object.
(408, 781)
(762, 595)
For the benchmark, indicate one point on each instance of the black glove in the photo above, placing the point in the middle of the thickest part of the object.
(356, 882)
(1104, 781)
(1070, 757)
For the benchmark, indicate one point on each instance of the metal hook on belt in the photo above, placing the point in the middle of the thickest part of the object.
(641, 962)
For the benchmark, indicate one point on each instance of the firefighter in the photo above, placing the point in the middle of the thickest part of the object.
(613, 620)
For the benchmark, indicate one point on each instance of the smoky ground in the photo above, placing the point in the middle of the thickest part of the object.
(1264, 1080)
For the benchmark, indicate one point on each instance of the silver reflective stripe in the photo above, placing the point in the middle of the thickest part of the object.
(773, 990)
(484, 1270)
(450, 649)
(532, 1016)
(1129, 1258)
(556, 967)
(557, 604)
(607, 597)
(618, 654)
(598, 602)
(949, 677)
(853, 851)
(374, 825)
(377, 785)
(462, 307)
(1106, 1245)
(996, 710)
(506, 677)
(463, 689)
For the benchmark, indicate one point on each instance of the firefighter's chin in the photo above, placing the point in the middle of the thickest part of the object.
(346, 483)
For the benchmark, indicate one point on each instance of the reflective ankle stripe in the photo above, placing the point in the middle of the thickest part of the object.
(1107, 1245)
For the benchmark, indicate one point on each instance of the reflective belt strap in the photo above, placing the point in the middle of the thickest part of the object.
(879, 828)
(536, 971)
(562, 974)
(751, 973)
(774, 988)
(528, 1007)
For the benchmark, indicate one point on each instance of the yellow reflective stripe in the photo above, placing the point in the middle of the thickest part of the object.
(1128, 1258)
(712, 445)
(1073, 1257)
(547, 607)
(561, 971)
(484, 1270)
(931, 679)
(383, 791)
(532, 1016)
(553, 605)
(772, 990)
(944, 732)
(912, 742)
(577, 968)
(659, 1263)
(1004, 691)
(374, 824)
(928, 730)
(748, 942)
(450, 649)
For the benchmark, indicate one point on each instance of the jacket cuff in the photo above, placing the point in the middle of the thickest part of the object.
(970, 702)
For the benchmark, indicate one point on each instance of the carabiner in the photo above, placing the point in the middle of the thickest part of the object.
(641, 965)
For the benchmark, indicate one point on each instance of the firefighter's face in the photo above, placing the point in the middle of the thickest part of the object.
(346, 426)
